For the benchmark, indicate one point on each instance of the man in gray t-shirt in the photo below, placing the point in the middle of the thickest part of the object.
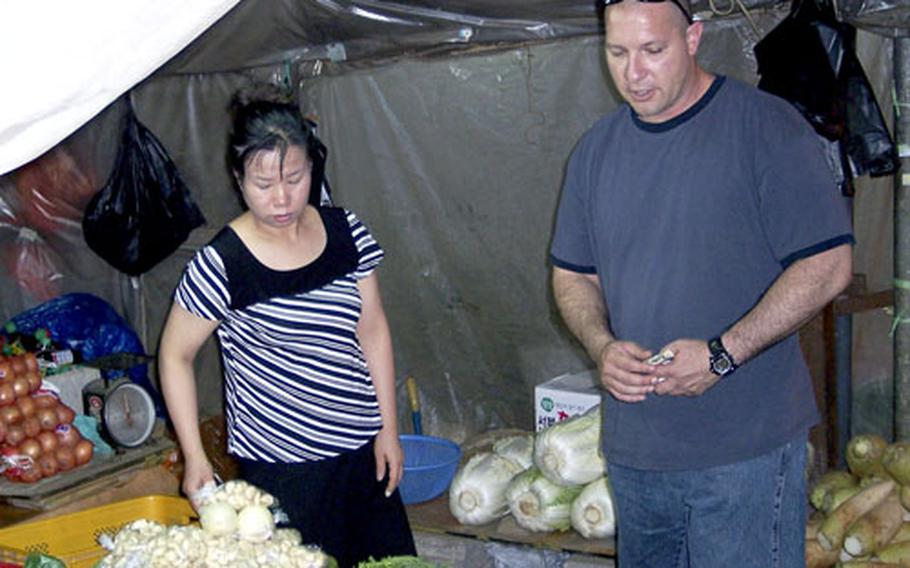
(700, 220)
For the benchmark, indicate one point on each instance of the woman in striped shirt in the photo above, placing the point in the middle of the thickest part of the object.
(290, 290)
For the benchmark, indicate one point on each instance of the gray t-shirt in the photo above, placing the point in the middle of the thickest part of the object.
(687, 223)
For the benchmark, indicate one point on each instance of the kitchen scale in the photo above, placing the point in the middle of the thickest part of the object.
(124, 409)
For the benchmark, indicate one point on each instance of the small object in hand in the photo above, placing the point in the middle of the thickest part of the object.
(665, 357)
(203, 494)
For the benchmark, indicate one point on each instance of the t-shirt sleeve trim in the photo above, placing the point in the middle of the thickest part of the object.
(203, 290)
(572, 267)
(817, 248)
(370, 254)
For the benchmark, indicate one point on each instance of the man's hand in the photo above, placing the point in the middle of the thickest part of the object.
(624, 372)
(688, 374)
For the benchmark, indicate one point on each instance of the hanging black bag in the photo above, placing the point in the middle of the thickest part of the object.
(810, 60)
(144, 211)
(869, 144)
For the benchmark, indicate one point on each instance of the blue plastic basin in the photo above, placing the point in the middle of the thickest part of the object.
(430, 464)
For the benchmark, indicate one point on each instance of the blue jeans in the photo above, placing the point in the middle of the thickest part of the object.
(745, 514)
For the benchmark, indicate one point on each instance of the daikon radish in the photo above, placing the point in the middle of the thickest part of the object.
(818, 557)
(813, 524)
(831, 533)
(896, 553)
(828, 483)
(903, 533)
(905, 497)
(875, 529)
(838, 496)
(896, 462)
(864, 455)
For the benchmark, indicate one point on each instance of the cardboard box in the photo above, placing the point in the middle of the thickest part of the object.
(565, 396)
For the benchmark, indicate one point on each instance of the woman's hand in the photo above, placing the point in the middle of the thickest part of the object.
(197, 474)
(389, 458)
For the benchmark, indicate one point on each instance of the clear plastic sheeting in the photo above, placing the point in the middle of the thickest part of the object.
(453, 161)
(884, 17)
(456, 164)
(42, 252)
(358, 30)
(287, 30)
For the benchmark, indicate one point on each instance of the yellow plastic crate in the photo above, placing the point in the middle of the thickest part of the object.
(73, 538)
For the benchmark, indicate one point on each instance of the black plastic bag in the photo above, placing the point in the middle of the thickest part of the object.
(144, 211)
(810, 60)
(794, 65)
(869, 144)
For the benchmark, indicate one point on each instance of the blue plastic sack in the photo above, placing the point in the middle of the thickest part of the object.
(86, 323)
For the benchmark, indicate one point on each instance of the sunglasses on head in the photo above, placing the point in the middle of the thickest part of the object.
(678, 4)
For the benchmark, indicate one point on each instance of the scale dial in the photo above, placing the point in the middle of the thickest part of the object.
(129, 414)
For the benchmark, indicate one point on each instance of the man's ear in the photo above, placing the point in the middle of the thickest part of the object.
(693, 37)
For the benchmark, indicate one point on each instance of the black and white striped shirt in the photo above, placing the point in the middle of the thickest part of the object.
(297, 387)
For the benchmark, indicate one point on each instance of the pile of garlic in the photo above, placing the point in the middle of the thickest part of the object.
(236, 493)
(237, 529)
(150, 544)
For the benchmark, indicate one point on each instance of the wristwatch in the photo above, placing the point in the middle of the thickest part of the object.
(720, 361)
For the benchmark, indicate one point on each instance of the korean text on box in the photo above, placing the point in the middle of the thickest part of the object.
(565, 396)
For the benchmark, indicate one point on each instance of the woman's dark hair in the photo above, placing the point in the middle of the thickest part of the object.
(273, 124)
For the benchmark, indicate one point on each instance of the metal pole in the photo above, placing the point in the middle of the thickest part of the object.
(901, 63)
(843, 365)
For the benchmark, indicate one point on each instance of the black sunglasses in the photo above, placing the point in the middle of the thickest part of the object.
(678, 4)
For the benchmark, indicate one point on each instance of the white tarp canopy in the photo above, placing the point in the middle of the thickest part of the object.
(83, 56)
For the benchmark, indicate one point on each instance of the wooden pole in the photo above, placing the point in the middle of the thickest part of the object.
(901, 64)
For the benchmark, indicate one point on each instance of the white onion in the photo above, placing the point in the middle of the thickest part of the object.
(218, 519)
(255, 523)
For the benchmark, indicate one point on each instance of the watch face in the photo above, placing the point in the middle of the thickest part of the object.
(721, 365)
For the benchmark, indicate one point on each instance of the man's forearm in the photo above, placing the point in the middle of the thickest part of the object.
(580, 301)
(797, 295)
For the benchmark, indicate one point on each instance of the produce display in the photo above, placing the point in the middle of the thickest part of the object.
(569, 452)
(549, 482)
(37, 436)
(861, 516)
(519, 449)
(539, 504)
(237, 529)
(592, 511)
(477, 494)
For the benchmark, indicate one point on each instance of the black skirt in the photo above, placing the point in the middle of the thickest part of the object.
(338, 505)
